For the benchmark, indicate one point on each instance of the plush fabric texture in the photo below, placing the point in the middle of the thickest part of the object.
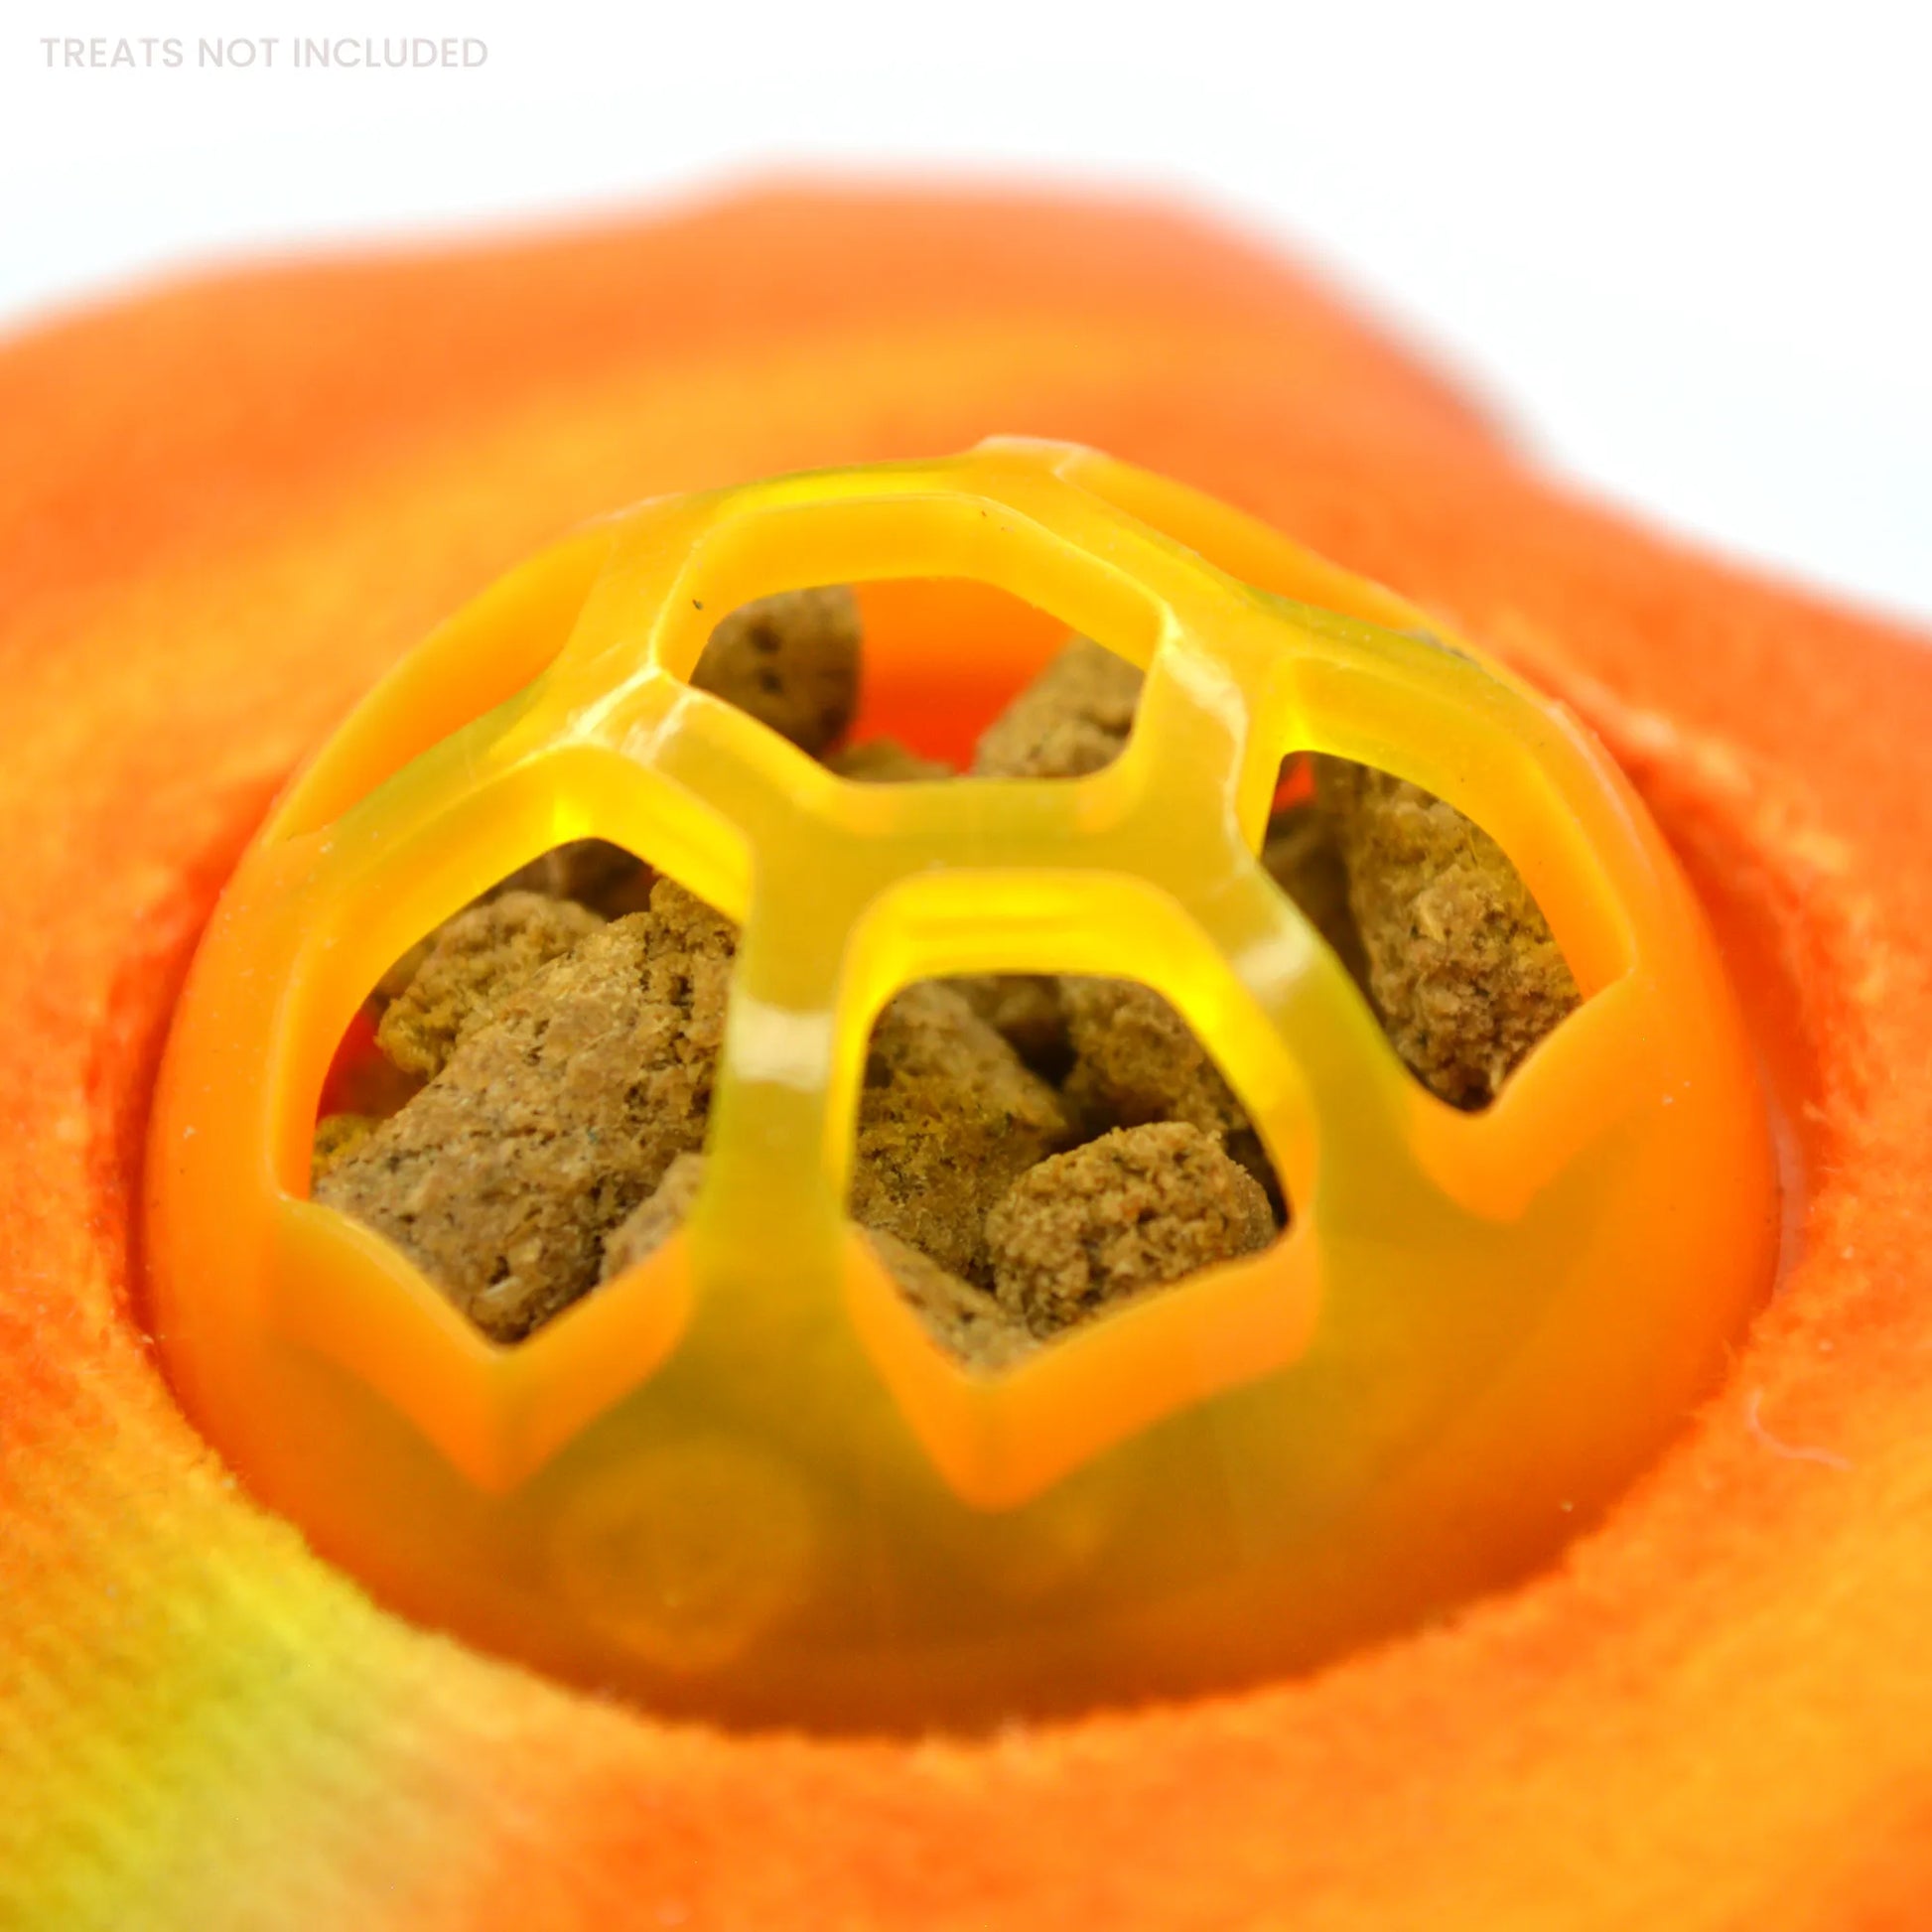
(227, 506)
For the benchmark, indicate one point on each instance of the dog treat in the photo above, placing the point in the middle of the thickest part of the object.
(1301, 854)
(1136, 1059)
(1072, 719)
(790, 660)
(552, 1120)
(1461, 964)
(336, 1136)
(948, 1118)
(966, 1320)
(396, 979)
(473, 963)
(1026, 1010)
(1137, 1207)
(592, 871)
(885, 762)
(655, 1219)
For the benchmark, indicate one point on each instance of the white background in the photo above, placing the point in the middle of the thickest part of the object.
(1687, 248)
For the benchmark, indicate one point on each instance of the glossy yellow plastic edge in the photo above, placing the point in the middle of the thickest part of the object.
(742, 1478)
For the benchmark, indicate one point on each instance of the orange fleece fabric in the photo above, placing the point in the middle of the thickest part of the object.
(225, 506)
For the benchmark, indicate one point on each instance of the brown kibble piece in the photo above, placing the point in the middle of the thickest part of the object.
(337, 1135)
(655, 1219)
(1461, 964)
(1302, 857)
(1137, 1207)
(965, 1320)
(790, 660)
(552, 1121)
(474, 962)
(1072, 719)
(1026, 1009)
(592, 871)
(1136, 1059)
(885, 762)
(948, 1118)
(396, 979)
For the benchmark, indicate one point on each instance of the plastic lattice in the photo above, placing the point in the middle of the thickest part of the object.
(742, 1479)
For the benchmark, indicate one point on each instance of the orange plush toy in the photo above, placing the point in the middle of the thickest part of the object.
(225, 509)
